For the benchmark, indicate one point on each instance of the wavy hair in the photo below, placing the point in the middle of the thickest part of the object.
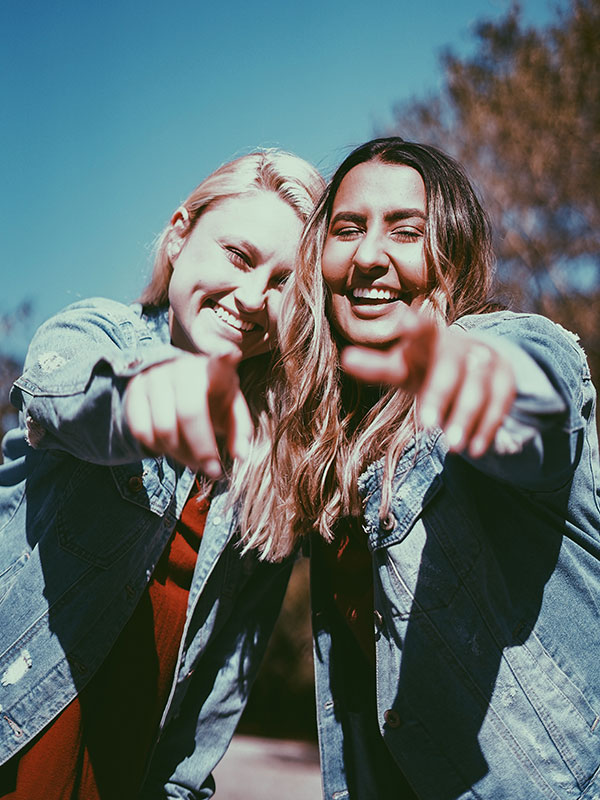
(299, 185)
(291, 178)
(329, 427)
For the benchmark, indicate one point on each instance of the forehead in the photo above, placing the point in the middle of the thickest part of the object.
(375, 186)
(260, 217)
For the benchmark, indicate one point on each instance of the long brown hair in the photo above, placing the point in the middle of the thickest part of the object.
(330, 428)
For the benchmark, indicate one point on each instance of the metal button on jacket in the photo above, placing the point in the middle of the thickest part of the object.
(135, 483)
(388, 522)
(392, 718)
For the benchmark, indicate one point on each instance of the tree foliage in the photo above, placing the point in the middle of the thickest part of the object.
(522, 113)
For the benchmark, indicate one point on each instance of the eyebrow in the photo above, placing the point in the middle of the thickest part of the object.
(404, 213)
(348, 216)
(389, 217)
(252, 251)
(242, 244)
(256, 255)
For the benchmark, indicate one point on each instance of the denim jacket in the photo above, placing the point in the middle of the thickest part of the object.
(84, 518)
(487, 598)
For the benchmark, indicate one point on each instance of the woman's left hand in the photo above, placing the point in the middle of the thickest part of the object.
(462, 384)
(180, 408)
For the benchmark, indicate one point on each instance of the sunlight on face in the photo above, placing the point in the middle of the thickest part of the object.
(373, 258)
(225, 290)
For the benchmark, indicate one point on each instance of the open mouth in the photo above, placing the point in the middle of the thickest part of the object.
(233, 320)
(375, 296)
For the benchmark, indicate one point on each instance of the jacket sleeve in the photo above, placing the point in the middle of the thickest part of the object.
(71, 391)
(205, 715)
(541, 442)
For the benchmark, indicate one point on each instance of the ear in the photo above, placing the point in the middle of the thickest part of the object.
(180, 225)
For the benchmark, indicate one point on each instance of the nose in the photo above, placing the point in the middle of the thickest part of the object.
(251, 294)
(370, 254)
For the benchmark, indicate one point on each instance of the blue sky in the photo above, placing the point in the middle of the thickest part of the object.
(113, 110)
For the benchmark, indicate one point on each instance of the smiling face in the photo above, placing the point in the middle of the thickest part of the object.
(373, 258)
(224, 293)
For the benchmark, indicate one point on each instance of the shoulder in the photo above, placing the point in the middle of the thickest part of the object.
(91, 330)
(533, 332)
(100, 308)
(516, 323)
(100, 316)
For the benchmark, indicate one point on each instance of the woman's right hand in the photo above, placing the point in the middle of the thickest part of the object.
(463, 384)
(179, 407)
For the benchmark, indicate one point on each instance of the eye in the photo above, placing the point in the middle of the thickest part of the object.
(238, 258)
(407, 234)
(346, 232)
(278, 280)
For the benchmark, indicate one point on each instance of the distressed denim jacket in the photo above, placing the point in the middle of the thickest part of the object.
(487, 606)
(84, 517)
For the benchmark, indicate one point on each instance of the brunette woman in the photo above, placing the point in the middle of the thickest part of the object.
(447, 469)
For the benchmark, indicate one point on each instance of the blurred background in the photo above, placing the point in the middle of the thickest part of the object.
(114, 111)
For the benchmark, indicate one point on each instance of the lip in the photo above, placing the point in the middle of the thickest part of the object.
(373, 310)
(377, 296)
(228, 317)
(374, 294)
(375, 301)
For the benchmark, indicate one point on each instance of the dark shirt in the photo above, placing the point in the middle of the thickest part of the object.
(98, 746)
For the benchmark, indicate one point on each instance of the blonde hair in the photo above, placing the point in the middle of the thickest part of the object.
(298, 184)
(329, 427)
(289, 177)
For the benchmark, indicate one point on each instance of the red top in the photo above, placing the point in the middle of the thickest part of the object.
(348, 573)
(97, 748)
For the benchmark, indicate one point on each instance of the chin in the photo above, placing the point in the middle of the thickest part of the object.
(226, 348)
(255, 352)
(369, 339)
(375, 344)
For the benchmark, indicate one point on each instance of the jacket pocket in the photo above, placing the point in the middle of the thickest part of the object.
(562, 706)
(421, 573)
(95, 522)
(565, 685)
(429, 565)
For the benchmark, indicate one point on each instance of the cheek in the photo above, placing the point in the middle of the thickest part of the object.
(337, 312)
(338, 306)
(274, 307)
(334, 267)
(419, 268)
(179, 295)
(187, 287)
(174, 292)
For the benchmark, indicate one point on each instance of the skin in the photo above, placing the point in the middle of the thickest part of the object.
(224, 292)
(224, 301)
(373, 259)
(374, 265)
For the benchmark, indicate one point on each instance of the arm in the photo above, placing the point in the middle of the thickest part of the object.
(75, 375)
(505, 388)
(75, 392)
(540, 441)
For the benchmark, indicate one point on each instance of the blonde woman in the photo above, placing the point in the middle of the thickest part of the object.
(443, 453)
(131, 627)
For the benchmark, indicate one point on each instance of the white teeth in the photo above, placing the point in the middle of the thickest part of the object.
(375, 294)
(231, 319)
